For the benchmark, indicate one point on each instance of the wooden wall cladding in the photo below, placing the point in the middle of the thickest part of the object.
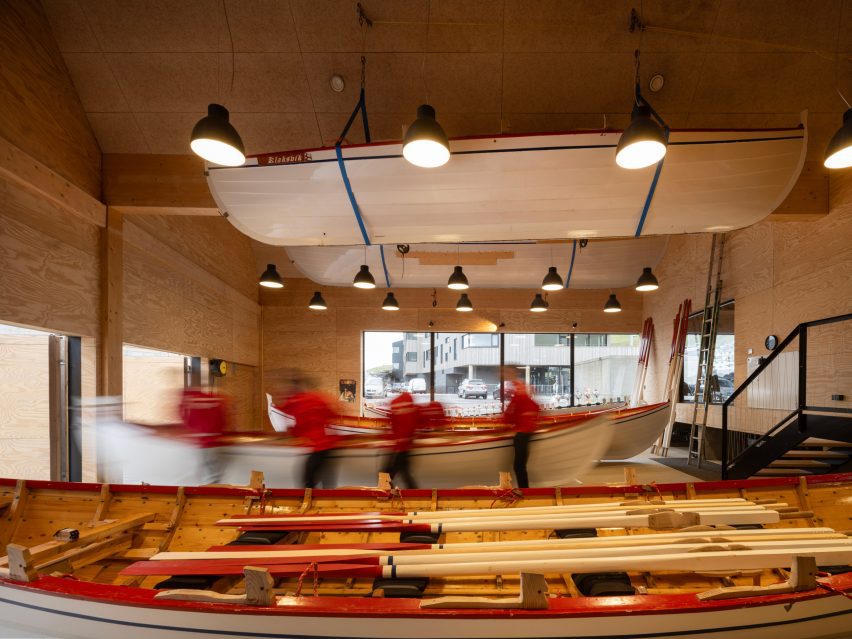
(779, 273)
(42, 113)
(211, 242)
(24, 407)
(50, 264)
(326, 345)
(152, 388)
(174, 304)
(241, 385)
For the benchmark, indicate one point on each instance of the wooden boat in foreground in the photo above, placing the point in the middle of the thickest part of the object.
(560, 452)
(638, 561)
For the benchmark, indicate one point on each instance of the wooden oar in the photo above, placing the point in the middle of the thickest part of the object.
(327, 551)
(681, 562)
(258, 558)
(502, 515)
(442, 515)
(715, 560)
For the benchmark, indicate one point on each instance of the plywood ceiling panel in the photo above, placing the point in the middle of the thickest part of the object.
(487, 66)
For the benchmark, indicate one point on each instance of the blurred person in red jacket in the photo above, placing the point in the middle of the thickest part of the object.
(431, 416)
(204, 414)
(522, 415)
(404, 421)
(312, 414)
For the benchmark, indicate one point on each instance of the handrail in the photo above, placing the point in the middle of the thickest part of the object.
(800, 331)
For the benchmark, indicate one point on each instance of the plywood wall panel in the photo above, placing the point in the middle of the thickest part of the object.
(211, 242)
(241, 387)
(46, 282)
(779, 273)
(42, 114)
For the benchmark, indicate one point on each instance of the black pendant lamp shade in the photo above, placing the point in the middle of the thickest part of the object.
(612, 305)
(643, 142)
(647, 281)
(425, 144)
(838, 153)
(270, 277)
(458, 280)
(552, 281)
(390, 303)
(539, 305)
(317, 302)
(363, 278)
(216, 140)
(464, 304)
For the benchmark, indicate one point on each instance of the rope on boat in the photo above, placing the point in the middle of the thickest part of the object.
(311, 567)
(509, 496)
(831, 588)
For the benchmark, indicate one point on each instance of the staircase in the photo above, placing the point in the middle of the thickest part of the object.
(793, 415)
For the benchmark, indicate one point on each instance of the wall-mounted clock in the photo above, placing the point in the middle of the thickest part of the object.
(771, 342)
(218, 367)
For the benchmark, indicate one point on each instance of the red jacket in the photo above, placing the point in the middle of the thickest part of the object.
(204, 415)
(403, 420)
(431, 415)
(522, 412)
(312, 414)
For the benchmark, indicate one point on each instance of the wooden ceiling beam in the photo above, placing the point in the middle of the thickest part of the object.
(156, 184)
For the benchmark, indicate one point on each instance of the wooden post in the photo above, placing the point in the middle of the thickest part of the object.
(384, 482)
(112, 285)
(20, 563)
(629, 476)
(259, 584)
(256, 480)
(505, 480)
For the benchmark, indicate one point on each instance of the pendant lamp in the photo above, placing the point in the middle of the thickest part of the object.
(216, 140)
(612, 305)
(458, 280)
(539, 305)
(647, 281)
(390, 303)
(425, 144)
(838, 153)
(464, 304)
(552, 281)
(270, 278)
(317, 302)
(643, 142)
(363, 278)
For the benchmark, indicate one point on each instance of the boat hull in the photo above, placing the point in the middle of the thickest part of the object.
(45, 610)
(634, 434)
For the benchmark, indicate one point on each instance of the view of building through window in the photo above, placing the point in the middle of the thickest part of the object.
(464, 369)
(721, 382)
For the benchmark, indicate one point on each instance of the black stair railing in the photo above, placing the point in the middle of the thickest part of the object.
(787, 387)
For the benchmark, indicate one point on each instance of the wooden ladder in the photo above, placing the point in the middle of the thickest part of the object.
(703, 393)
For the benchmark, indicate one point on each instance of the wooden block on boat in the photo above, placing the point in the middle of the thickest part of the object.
(187, 594)
(259, 585)
(671, 519)
(256, 480)
(533, 596)
(20, 563)
(136, 554)
(802, 577)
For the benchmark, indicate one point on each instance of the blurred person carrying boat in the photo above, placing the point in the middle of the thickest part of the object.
(431, 416)
(312, 413)
(522, 415)
(204, 414)
(404, 420)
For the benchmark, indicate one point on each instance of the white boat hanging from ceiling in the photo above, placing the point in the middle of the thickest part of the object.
(510, 187)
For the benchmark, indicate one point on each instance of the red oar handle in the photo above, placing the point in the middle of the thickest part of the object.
(349, 526)
(372, 546)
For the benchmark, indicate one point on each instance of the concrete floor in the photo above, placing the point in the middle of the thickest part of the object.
(647, 470)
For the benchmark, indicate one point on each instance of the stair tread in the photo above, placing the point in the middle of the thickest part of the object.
(816, 441)
(807, 454)
(781, 472)
(799, 463)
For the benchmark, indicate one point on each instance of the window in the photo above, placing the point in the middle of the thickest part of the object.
(544, 363)
(480, 340)
(153, 383)
(721, 383)
(393, 362)
(604, 367)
